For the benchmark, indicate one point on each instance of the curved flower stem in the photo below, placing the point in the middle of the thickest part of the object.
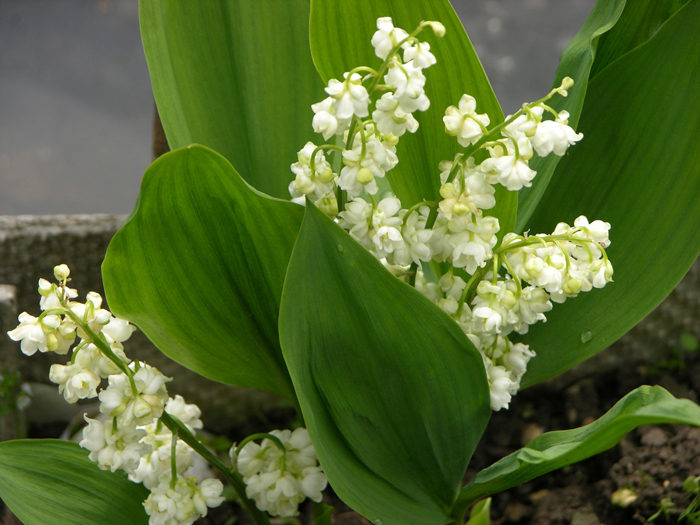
(467, 289)
(512, 273)
(261, 435)
(236, 480)
(543, 240)
(102, 345)
(382, 69)
(417, 206)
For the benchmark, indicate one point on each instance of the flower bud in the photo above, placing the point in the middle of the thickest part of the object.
(437, 28)
(608, 271)
(534, 266)
(51, 342)
(460, 209)
(508, 300)
(364, 176)
(328, 205)
(447, 190)
(61, 272)
(567, 83)
(572, 286)
(390, 140)
(326, 176)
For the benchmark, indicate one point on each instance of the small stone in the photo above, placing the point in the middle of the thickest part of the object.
(538, 496)
(585, 516)
(654, 437)
(623, 497)
(516, 511)
(530, 432)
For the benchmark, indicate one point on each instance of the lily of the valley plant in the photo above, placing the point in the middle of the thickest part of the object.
(428, 266)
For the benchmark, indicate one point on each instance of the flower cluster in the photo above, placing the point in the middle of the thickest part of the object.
(129, 436)
(369, 143)
(281, 472)
(491, 290)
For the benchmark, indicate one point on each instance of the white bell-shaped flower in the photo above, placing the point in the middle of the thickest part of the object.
(387, 37)
(351, 97)
(391, 118)
(463, 122)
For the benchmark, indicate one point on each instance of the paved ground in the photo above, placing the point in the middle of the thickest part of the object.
(76, 104)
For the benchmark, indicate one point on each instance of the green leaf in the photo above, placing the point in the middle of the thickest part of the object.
(640, 20)
(481, 513)
(49, 482)
(321, 513)
(394, 410)
(637, 168)
(340, 40)
(645, 405)
(612, 29)
(236, 77)
(200, 265)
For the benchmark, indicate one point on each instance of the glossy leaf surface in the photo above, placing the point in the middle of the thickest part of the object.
(236, 77)
(340, 40)
(393, 393)
(637, 168)
(199, 267)
(643, 406)
(47, 482)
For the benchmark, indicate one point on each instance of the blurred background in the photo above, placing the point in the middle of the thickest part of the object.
(76, 108)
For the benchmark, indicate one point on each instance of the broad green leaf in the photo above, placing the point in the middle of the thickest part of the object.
(645, 405)
(49, 482)
(394, 409)
(340, 40)
(613, 28)
(637, 168)
(200, 265)
(236, 77)
(640, 20)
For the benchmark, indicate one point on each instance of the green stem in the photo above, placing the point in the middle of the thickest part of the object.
(467, 288)
(496, 129)
(262, 435)
(236, 480)
(512, 273)
(417, 206)
(102, 345)
(359, 69)
(76, 350)
(412, 272)
(173, 459)
(312, 162)
(543, 240)
(432, 217)
(382, 69)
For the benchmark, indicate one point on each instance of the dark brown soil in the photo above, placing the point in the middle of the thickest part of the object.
(652, 461)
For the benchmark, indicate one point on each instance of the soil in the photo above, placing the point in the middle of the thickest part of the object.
(652, 461)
